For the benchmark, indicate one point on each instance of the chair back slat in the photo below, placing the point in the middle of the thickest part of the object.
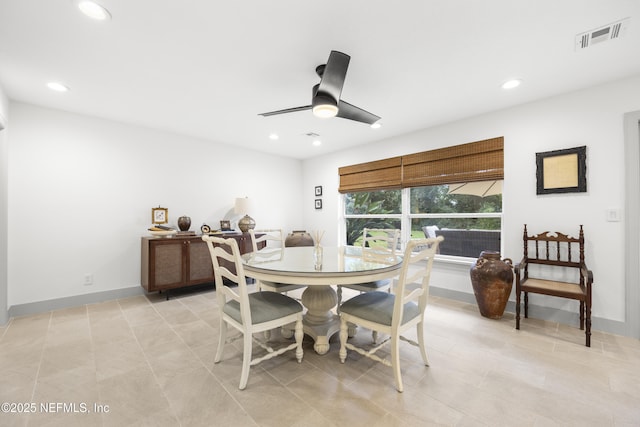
(410, 274)
(224, 252)
(554, 248)
(273, 237)
(381, 238)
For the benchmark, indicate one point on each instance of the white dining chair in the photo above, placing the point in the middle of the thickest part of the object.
(392, 314)
(273, 238)
(377, 243)
(249, 313)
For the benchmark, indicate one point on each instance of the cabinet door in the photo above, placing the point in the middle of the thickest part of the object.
(167, 264)
(200, 266)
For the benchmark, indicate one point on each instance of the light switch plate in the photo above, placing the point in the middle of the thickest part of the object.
(614, 215)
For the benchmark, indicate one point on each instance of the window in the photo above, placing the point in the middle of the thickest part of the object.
(454, 191)
(371, 209)
(469, 223)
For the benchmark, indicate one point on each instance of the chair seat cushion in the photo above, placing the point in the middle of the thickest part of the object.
(552, 287)
(265, 306)
(378, 307)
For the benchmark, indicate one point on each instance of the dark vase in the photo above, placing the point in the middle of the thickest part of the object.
(184, 222)
(492, 280)
(298, 238)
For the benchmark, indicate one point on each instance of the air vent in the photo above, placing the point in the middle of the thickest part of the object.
(612, 31)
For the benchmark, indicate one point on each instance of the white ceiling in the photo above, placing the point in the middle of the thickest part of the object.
(207, 68)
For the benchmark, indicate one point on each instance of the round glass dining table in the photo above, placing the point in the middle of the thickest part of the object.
(318, 268)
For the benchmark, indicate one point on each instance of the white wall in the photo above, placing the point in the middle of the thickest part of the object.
(592, 117)
(4, 108)
(81, 191)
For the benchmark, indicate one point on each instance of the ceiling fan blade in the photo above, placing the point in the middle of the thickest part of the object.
(286, 110)
(351, 112)
(334, 74)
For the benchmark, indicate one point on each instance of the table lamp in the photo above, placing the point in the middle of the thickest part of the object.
(242, 206)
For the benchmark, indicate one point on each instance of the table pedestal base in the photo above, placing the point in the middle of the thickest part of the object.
(322, 333)
(319, 321)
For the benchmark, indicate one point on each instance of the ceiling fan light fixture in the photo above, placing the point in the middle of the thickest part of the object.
(325, 111)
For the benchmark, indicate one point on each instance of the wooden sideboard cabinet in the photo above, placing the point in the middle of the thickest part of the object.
(180, 261)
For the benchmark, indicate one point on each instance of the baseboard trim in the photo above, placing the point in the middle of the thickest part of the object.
(540, 312)
(535, 311)
(73, 301)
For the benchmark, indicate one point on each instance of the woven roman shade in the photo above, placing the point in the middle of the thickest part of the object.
(475, 161)
(378, 175)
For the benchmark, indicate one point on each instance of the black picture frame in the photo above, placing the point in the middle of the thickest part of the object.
(562, 171)
(318, 190)
(318, 203)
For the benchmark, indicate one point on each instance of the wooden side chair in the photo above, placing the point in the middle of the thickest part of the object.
(393, 314)
(560, 271)
(273, 238)
(249, 313)
(376, 243)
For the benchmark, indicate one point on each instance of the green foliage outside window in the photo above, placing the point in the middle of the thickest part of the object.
(422, 200)
(382, 202)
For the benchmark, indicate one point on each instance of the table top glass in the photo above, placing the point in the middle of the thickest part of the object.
(335, 261)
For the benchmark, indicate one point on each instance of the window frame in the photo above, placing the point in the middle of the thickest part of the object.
(406, 218)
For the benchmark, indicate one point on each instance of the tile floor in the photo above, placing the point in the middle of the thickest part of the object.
(145, 361)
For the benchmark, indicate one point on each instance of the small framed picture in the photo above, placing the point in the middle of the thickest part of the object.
(159, 215)
(318, 190)
(318, 203)
(225, 225)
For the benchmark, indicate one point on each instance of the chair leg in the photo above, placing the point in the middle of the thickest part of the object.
(221, 340)
(526, 305)
(423, 350)
(299, 334)
(581, 315)
(517, 310)
(395, 361)
(339, 292)
(246, 359)
(588, 327)
(344, 335)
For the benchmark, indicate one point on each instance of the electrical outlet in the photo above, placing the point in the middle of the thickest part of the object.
(88, 279)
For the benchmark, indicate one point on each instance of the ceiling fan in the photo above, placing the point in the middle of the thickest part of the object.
(325, 96)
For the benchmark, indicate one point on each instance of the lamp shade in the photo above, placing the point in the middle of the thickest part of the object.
(242, 205)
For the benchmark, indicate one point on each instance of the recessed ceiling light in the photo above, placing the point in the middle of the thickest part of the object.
(376, 125)
(94, 10)
(58, 87)
(510, 84)
(317, 143)
(273, 136)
